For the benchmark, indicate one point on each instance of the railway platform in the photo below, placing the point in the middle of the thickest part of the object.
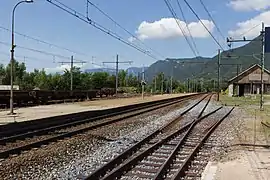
(43, 111)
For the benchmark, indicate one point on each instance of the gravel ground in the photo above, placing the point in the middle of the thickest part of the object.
(19, 143)
(236, 162)
(195, 133)
(90, 162)
(226, 134)
(74, 157)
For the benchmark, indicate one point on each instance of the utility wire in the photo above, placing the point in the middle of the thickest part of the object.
(248, 30)
(20, 56)
(177, 22)
(131, 34)
(204, 25)
(184, 18)
(212, 19)
(98, 26)
(42, 41)
(45, 53)
(37, 51)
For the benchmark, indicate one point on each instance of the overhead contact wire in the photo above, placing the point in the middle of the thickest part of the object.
(98, 26)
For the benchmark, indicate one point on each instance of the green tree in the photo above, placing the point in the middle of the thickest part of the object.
(132, 81)
(18, 72)
(41, 79)
(99, 79)
(55, 82)
(122, 78)
(110, 83)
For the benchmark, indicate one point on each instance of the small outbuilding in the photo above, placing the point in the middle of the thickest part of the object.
(249, 82)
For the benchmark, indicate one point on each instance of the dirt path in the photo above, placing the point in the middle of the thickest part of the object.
(249, 164)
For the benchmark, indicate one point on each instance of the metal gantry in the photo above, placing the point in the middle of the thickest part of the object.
(71, 69)
(116, 70)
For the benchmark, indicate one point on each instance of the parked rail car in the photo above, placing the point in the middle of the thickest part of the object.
(105, 92)
(19, 97)
(43, 96)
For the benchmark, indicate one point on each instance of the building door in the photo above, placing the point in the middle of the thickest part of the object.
(241, 89)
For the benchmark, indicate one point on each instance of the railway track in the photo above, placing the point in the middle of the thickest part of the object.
(14, 129)
(26, 141)
(165, 154)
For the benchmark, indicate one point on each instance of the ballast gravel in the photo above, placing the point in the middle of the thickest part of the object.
(84, 166)
(76, 157)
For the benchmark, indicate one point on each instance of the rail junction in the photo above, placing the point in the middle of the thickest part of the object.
(166, 153)
(177, 150)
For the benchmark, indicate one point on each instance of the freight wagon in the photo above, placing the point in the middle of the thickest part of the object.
(37, 97)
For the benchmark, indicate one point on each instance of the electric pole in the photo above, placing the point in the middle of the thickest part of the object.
(230, 40)
(171, 84)
(188, 85)
(262, 66)
(143, 83)
(71, 69)
(71, 74)
(116, 75)
(162, 76)
(155, 84)
(218, 89)
(172, 79)
(116, 70)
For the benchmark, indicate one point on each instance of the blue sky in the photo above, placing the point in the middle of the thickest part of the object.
(159, 31)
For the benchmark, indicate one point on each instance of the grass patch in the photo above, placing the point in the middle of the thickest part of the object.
(239, 101)
(251, 104)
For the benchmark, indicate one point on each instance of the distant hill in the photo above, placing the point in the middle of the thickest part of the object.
(202, 67)
(178, 68)
(136, 70)
(131, 70)
(207, 68)
(241, 55)
(108, 70)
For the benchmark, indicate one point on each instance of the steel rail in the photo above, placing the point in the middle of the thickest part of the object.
(201, 113)
(127, 153)
(265, 124)
(17, 150)
(186, 164)
(118, 171)
(128, 164)
(24, 127)
(84, 121)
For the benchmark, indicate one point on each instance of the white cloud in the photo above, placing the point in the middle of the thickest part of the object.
(249, 5)
(63, 67)
(246, 27)
(168, 28)
(59, 69)
(131, 39)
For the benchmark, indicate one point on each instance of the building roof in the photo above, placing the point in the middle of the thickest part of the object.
(247, 71)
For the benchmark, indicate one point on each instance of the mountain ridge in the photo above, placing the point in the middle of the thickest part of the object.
(206, 67)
